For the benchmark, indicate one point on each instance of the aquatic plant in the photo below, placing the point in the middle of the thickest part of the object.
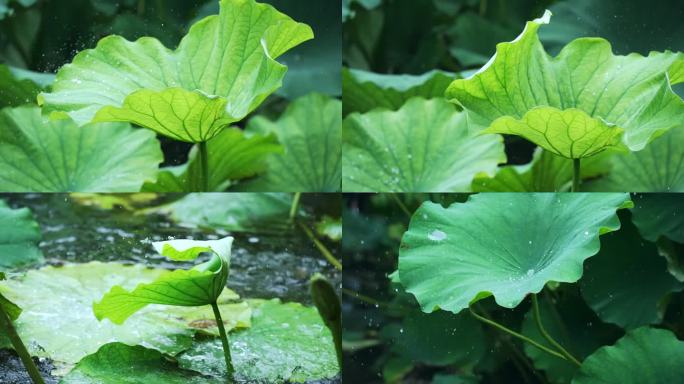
(199, 286)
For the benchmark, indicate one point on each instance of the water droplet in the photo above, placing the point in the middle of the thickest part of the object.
(530, 272)
(437, 235)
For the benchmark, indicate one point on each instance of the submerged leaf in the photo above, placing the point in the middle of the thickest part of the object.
(200, 285)
(138, 365)
(644, 355)
(504, 245)
(58, 320)
(287, 343)
(254, 212)
(310, 131)
(59, 156)
(602, 92)
(426, 146)
(19, 237)
(364, 91)
(222, 70)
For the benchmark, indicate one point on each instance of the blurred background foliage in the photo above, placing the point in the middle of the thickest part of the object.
(37, 37)
(416, 36)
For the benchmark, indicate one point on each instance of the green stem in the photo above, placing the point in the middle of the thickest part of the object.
(294, 206)
(204, 166)
(6, 323)
(575, 175)
(321, 247)
(230, 371)
(547, 336)
(515, 334)
(401, 204)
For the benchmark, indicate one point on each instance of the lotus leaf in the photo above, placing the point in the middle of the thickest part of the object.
(505, 245)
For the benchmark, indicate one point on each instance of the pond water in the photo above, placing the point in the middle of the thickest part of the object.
(273, 265)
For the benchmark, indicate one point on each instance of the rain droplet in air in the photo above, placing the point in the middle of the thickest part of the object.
(437, 235)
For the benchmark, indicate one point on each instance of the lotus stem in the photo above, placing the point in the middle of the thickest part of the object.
(547, 336)
(204, 166)
(20, 348)
(321, 247)
(230, 371)
(575, 175)
(294, 206)
(516, 334)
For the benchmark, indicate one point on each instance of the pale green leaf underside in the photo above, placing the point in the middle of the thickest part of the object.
(232, 156)
(426, 146)
(363, 91)
(310, 131)
(630, 92)
(59, 156)
(569, 133)
(657, 168)
(19, 237)
(200, 285)
(223, 69)
(138, 364)
(644, 355)
(287, 343)
(505, 245)
(545, 173)
(174, 112)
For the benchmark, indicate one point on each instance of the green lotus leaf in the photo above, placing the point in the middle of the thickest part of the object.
(643, 355)
(661, 214)
(11, 309)
(19, 237)
(439, 339)
(200, 285)
(49, 303)
(222, 70)
(570, 322)
(426, 146)
(330, 227)
(232, 156)
(139, 365)
(505, 245)
(287, 343)
(310, 131)
(657, 168)
(16, 90)
(569, 133)
(545, 173)
(363, 91)
(59, 156)
(603, 93)
(241, 212)
(627, 279)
